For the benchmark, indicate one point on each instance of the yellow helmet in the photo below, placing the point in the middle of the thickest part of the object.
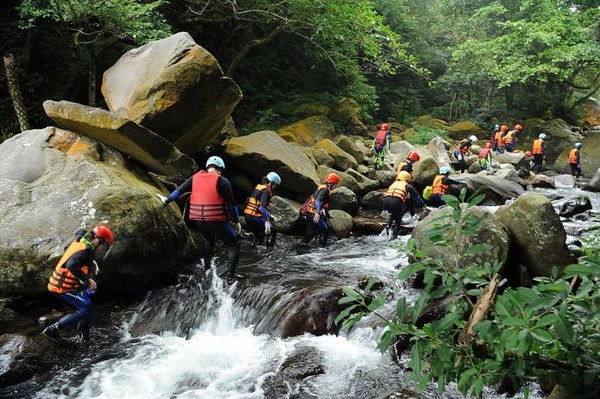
(403, 175)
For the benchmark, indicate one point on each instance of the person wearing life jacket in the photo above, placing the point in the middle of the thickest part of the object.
(400, 197)
(539, 152)
(407, 165)
(574, 160)
(499, 139)
(256, 211)
(441, 183)
(73, 281)
(212, 208)
(485, 157)
(463, 148)
(493, 136)
(382, 140)
(510, 139)
(315, 210)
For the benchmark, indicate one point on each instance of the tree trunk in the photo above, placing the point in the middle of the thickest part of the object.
(91, 77)
(254, 43)
(15, 90)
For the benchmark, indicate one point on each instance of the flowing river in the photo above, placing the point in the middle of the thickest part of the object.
(204, 339)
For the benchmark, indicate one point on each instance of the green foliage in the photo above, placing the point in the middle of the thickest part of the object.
(424, 134)
(550, 330)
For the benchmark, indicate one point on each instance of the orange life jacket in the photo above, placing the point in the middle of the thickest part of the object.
(398, 189)
(538, 147)
(438, 187)
(380, 139)
(206, 204)
(311, 203)
(509, 137)
(253, 202)
(573, 155)
(62, 280)
(499, 139)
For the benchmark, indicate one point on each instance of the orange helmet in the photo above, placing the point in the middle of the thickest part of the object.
(333, 178)
(518, 127)
(504, 128)
(413, 156)
(384, 126)
(104, 232)
(528, 153)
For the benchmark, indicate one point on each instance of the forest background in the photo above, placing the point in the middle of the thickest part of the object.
(482, 60)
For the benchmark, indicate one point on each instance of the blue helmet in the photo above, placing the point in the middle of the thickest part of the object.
(215, 161)
(274, 178)
(444, 170)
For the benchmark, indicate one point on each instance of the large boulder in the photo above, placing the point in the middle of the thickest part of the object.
(70, 182)
(175, 88)
(342, 160)
(341, 222)
(495, 188)
(343, 198)
(285, 212)
(463, 129)
(589, 155)
(455, 255)
(308, 131)
(537, 233)
(141, 144)
(351, 147)
(347, 113)
(259, 153)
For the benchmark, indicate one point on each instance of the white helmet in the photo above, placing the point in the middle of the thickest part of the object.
(578, 145)
(215, 161)
(542, 136)
(274, 178)
(473, 139)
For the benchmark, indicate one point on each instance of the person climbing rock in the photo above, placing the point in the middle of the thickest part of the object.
(382, 140)
(73, 281)
(400, 197)
(212, 207)
(256, 211)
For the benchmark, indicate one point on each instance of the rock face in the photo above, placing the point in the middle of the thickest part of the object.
(259, 153)
(537, 234)
(146, 147)
(175, 88)
(70, 182)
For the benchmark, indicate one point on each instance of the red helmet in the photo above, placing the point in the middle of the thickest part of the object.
(384, 126)
(413, 156)
(333, 178)
(488, 145)
(504, 128)
(104, 232)
(518, 127)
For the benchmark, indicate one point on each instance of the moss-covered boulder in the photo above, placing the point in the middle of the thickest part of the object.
(308, 131)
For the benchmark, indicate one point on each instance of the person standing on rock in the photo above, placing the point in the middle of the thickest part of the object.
(539, 152)
(256, 211)
(212, 207)
(400, 197)
(407, 165)
(510, 139)
(72, 281)
(315, 210)
(574, 160)
(485, 157)
(382, 140)
(441, 183)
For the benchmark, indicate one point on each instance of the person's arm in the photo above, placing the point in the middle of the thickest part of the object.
(321, 199)
(577, 157)
(446, 180)
(264, 200)
(415, 199)
(76, 262)
(183, 188)
(224, 189)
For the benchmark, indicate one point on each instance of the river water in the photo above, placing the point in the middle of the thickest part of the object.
(203, 339)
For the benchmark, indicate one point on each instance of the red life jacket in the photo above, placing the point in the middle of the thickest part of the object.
(438, 187)
(573, 155)
(62, 280)
(398, 190)
(484, 152)
(538, 147)
(206, 204)
(380, 139)
(253, 202)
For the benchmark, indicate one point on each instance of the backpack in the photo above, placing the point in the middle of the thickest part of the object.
(427, 192)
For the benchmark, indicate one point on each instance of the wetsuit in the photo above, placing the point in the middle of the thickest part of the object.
(319, 203)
